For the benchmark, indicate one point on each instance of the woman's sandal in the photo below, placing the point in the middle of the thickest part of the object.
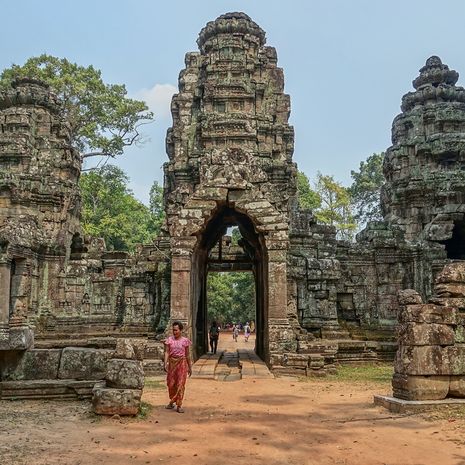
(180, 410)
(169, 406)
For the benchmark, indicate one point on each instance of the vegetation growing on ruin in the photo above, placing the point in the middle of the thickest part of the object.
(103, 120)
(110, 210)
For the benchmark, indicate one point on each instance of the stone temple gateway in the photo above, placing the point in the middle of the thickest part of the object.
(230, 151)
(65, 301)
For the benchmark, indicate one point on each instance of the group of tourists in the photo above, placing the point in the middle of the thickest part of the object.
(236, 329)
(177, 359)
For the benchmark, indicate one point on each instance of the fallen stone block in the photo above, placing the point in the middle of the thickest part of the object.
(83, 363)
(409, 297)
(420, 387)
(424, 334)
(35, 364)
(422, 360)
(428, 313)
(457, 386)
(125, 374)
(124, 349)
(456, 356)
(109, 401)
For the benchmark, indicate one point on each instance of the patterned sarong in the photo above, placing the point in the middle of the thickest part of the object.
(176, 379)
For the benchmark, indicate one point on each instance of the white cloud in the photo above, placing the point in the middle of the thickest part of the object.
(158, 99)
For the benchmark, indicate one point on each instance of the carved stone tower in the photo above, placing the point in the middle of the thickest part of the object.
(424, 168)
(230, 163)
(39, 202)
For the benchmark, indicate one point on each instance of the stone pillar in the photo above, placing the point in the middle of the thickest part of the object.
(277, 289)
(180, 287)
(281, 335)
(4, 294)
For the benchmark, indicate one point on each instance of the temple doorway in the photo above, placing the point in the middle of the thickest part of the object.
(230, 253)
(231, 303)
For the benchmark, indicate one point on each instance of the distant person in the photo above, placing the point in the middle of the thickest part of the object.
(177, 366)
(252, 326)
(247, 331)
(214, 334)
(235, 332)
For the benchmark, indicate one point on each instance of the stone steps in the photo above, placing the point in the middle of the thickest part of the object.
(47, 389)
(153, 367)
(231, 365)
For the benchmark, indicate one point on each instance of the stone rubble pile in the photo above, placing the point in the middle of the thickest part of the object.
(430, 360)
(124, 383)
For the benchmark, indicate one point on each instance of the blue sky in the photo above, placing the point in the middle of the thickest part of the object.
(346, 63)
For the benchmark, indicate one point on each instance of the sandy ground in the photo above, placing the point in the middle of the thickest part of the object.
(277, 421)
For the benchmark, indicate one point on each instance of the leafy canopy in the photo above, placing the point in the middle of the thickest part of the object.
(308, 198)
(366, 189)
(231, 297)
(103, 119)
(110, 210)
(335, 206)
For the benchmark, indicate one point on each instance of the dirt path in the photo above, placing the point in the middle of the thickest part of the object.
(278, 421)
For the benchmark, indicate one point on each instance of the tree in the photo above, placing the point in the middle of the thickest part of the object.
(103, 119)
(308, 198)
(335, 206)
(366, 189)
(156, 207)
(231, 297)
(220, 297)
(110, 210)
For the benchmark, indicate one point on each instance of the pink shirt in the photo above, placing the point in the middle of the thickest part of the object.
(177, 347)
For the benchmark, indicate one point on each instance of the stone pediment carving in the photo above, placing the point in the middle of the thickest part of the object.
(232, 168)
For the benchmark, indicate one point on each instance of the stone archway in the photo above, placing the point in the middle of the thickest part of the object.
(195, 230)
(230, 161)
(203, 262)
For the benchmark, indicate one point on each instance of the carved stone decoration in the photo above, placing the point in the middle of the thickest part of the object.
(430, 360)
(230, 151)
(425, 186)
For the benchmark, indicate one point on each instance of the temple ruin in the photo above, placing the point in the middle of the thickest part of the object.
(319, 300)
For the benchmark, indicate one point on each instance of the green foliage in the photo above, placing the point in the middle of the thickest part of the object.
(308, 198)
(144, 410)
(154, 383)
(109, 210)
(156, 207)
(335, 208)
(231, 297)
(366, 188)
(103, 119)
(379, 373)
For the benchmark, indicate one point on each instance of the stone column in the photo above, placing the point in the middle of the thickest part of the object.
(181, 288)
(281, 334)
(277, 289)
(4, 292)
(4, 299)
(181, 282)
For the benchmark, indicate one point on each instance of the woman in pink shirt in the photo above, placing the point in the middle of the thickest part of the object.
(177, 366)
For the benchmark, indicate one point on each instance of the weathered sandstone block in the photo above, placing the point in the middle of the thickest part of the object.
(457, 386)
(428, 313)
(420, 387)
(83, 363)
(409, 297)
(125, 374)
(107, 401)
(456, 357)
(452, 273)
(423, 334)
(422, 360)
(124, 349)
(36, 364)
